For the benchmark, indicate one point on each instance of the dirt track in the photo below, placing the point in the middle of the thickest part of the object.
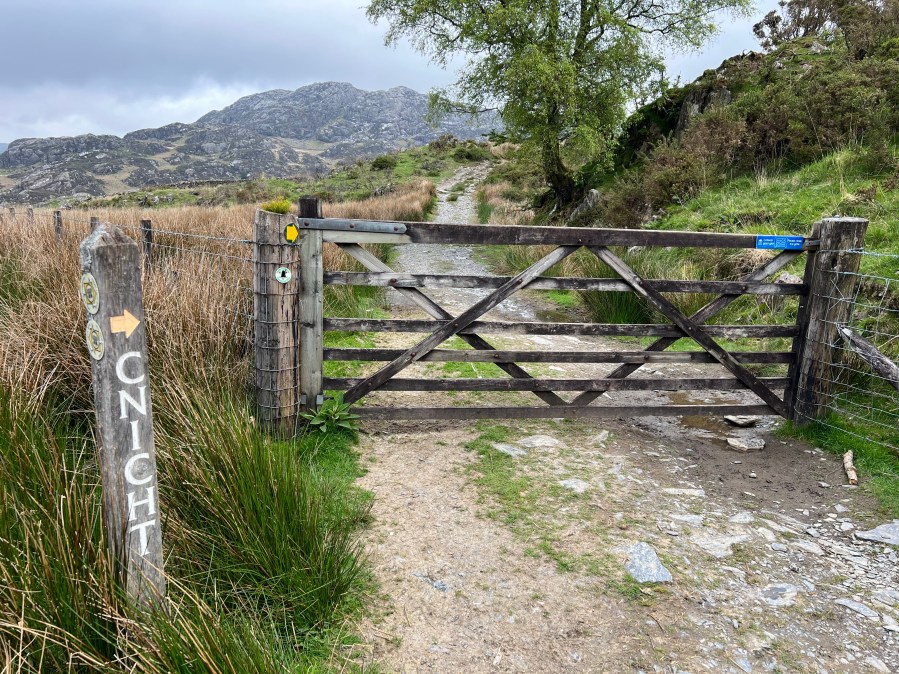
(489, 563)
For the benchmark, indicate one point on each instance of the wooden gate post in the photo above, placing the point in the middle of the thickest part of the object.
(311, 307)
(117, 342)
(29, 215)
(829, 305)
(146, 235)
(276, 292)
(57, 224)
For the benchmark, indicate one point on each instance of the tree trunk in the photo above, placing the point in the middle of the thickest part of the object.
(557, 175)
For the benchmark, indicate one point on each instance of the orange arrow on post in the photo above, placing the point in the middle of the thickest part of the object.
(126, 323)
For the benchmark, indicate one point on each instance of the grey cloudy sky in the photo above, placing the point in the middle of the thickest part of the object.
(113, 66)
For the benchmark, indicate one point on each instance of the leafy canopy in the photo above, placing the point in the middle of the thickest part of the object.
(560, 72)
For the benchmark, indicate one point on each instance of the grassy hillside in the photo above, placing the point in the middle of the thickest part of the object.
(361, 180)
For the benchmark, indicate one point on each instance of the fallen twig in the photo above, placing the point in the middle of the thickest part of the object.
(850, 468)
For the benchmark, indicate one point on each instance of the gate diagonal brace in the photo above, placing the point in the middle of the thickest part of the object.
(711, 309)
(692, 329)
(437, 312)
(462, 321)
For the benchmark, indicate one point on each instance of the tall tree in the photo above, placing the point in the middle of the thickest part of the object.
(560, 72)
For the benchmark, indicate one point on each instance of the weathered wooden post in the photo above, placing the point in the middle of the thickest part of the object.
(95, 222)
(117, 342)
(29, 215)
(12, 215)
(146, 235)
(832, 280)
(311, 306)
(276, 292)
(57, 224)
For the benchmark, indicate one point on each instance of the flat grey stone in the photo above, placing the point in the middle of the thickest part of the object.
(540, 442)
(741, 421)
(692, 520)
(877, 664)
(436, 584)
(858, 607)
(885, 533)
(511, 450)
(600, 438)
(746, 444)
(840, 508)
(718, 546)
(889, 623)
(779, 547)
(887, 597)
(741, 518)
(575, 484)
(677, 491)
(779, 595)
(644, 565)
(808, 546)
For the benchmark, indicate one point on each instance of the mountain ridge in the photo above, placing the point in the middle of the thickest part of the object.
(278, 133)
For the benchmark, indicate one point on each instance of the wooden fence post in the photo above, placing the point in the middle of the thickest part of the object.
(95, 222)
(117, 342)
(276, 295)
(57, 224)
(146, 235)
(12, 215)
(829, 305)
(29, 215)
(311, 307)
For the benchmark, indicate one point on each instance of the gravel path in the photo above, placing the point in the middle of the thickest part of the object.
(768, 574)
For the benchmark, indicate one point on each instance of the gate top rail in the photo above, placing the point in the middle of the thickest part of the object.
(335, 230)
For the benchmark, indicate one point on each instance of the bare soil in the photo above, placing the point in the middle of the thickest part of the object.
(487, 563)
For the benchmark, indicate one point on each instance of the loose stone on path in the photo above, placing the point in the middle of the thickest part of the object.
(576, 485)
(859, 608)
(746, 444)
(644, 565)
(510, 450)
(885, 533)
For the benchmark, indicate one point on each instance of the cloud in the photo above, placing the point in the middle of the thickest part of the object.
(112, 66)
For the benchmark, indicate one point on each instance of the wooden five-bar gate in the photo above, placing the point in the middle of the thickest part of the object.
(290, 324)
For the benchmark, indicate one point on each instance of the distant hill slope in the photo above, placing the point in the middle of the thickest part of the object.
(275, 133)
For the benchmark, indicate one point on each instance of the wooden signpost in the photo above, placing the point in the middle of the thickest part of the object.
(117, 342)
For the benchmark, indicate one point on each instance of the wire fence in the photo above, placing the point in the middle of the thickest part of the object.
(862, 402)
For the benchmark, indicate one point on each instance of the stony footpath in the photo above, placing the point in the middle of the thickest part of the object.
(654, 545)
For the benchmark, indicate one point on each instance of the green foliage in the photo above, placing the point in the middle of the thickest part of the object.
(333, 416)
(562, 72)
(281, 206)
(384, 162)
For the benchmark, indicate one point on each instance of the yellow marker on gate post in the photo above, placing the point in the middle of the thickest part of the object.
(292, 233)
(116, 339)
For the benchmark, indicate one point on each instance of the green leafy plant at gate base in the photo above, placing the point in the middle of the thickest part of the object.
(333, 415)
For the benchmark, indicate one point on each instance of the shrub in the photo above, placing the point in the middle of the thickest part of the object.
(384, 162)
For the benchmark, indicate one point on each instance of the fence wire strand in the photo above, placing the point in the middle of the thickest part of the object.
(860, 402)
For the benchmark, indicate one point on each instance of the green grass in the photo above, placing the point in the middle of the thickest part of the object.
(878, 466)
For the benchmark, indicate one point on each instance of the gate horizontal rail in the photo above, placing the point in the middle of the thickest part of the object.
(559, 283)
(570, 329)
(336, 230)
(711, 384)
(511, 356)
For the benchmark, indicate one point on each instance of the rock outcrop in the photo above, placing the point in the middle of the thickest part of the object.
(279, 133)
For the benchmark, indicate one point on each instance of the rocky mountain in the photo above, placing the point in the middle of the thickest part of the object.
(277, 133)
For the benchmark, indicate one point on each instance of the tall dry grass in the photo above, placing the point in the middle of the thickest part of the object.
(498, 206)
(259, 538)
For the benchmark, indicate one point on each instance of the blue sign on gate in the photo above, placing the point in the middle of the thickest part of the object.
(772, 242)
